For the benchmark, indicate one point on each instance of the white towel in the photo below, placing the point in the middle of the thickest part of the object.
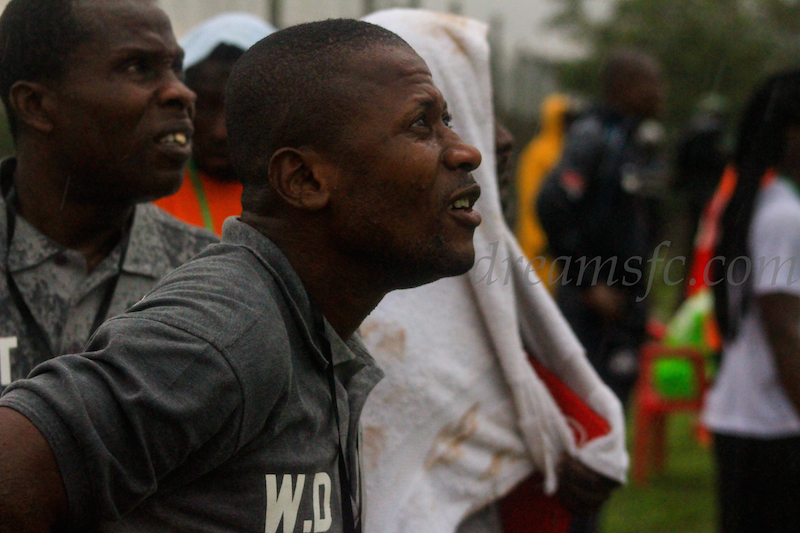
(241, 30)
(461, 416)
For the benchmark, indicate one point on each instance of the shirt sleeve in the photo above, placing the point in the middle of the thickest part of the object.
(143, 398)
(775, 247)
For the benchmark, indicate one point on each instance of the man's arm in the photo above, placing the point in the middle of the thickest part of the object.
(32, 495)
(780, 313)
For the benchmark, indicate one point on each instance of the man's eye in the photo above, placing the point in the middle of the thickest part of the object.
(138, 67)
(420, 123)
(448, 120)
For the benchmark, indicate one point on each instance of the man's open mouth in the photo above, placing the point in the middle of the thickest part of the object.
(174, 139)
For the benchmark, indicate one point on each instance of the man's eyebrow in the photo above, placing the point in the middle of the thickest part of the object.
(428, 102)
(150, 50)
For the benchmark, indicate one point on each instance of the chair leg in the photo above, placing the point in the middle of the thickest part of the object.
(642, 442)
(659, 441)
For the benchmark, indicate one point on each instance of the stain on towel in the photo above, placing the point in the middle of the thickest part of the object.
(449, 443)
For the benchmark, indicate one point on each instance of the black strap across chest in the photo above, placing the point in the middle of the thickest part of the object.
(352, 523)
(34, 330)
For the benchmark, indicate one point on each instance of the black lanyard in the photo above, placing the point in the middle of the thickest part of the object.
(351, 525)
(34, 330)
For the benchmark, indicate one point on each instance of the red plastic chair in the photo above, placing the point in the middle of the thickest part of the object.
(652, 406)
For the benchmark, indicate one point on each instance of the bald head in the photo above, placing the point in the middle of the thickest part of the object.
(291, 90)
(631, 83)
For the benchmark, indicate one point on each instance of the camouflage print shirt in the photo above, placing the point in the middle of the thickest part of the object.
(63, 298)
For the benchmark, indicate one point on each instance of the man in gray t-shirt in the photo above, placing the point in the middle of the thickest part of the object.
(228, 399)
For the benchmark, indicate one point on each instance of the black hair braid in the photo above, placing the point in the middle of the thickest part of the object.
(773, 107)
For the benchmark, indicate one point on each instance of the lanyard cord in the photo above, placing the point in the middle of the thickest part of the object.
(345, 486)
(200, 193)
(34, 330)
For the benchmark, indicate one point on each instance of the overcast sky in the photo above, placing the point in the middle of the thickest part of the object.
(523, 21)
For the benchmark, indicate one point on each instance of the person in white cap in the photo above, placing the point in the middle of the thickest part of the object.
(210, 192)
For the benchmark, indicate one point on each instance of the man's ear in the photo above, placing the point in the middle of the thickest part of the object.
(298, 177)
(32, 104)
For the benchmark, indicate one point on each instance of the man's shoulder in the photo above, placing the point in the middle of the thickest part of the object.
(224, 284)
(777, 213)
(179, 240)
(587, 138)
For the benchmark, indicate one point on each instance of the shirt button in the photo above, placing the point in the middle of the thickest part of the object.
(61, 260)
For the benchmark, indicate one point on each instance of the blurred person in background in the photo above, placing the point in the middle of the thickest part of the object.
(210, 192)
(753, 408)
(102, 125)
(462, 416)
(701, 156)
(593, 205)
(504, 148)
(535, 162)
(596, 209)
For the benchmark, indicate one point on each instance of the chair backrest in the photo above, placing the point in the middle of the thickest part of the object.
(673, 377)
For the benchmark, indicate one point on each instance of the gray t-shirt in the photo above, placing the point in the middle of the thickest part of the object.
(63, 297)
(206, 407)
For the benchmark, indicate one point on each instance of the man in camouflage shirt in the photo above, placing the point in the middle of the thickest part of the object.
(100, 126)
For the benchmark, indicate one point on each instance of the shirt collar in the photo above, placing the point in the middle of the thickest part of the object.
(234, 231)
(37, 247)
(30, 247)
(146, 254)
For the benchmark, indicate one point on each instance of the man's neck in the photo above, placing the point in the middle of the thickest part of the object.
(44, 201)
(345, 293)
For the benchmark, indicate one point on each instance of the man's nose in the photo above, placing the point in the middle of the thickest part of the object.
(461, 155)
(175, 92)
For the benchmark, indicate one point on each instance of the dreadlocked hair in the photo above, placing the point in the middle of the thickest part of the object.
(760, 146)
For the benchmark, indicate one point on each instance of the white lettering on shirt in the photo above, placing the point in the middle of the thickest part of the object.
(6, 344)
(322, 481)
(284, 504)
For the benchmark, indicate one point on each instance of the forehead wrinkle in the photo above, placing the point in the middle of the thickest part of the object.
(429, 96)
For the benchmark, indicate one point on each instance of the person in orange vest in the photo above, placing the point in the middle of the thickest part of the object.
(210, 192)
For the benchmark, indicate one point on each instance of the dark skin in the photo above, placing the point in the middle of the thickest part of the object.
(352, 237)
(208, 79)
(637, 90)
(406, 147)
(780, 312)
(580, 489)
(91, 146)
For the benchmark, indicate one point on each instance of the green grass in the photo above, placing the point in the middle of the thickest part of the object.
(681, 499)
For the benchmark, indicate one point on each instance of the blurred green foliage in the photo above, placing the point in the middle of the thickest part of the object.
(722, 46)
